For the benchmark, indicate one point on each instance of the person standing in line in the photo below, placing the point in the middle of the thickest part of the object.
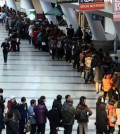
(98, 76)
(31, 116)
(118, 116)
(41, 115)
(11, 125)
(5, 45)
(68, 115)
(23, 109)
(82, 114)
(111, 116)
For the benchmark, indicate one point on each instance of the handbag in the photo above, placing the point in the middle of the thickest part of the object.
(27, 127)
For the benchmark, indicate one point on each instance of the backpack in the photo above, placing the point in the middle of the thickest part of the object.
(83, 117)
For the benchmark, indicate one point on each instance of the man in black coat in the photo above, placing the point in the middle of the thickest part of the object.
(5, 46)
(54, 118)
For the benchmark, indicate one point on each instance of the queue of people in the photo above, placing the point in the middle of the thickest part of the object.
(60, 115)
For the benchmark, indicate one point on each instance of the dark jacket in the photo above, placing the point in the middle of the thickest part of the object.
(68, 113)
(59, 105)
(1, 119)
(40, 113)
(54, 116)
(23, 112)
(11, 127)
(101, 118)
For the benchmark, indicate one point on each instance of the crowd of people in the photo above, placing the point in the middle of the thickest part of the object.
(75, 47)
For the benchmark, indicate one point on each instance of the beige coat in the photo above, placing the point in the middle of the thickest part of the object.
(118, 116)
(98, 74)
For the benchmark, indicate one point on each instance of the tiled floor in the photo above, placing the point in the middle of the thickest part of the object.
(32, 73)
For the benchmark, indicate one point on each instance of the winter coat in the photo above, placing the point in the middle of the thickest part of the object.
(59, 105)
(99, 73)
(40, 113)
(11, 127)
(31, 115)
(23, 112)
(118, 116)
(82, 108)
(68, 111)
(101, 118)
(54, 116)
(107, 83)
(111, 112)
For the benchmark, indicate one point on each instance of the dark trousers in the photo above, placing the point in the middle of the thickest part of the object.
(0, 131)
(119, 129)
(33, 129)
(68, 129)
(68, 56)
(105, 94)
(53, 128)
(111, 130)
(76, 63)
(41, 128)
(5, 54)
(21, 128)
(53, 53)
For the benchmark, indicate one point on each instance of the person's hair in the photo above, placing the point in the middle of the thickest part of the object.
(118, 105)
(41, 100)
(23, 99)
(1, 90)
(82, 100)
(32, 101)
(10, 114)
(59, 97)
(67, 96)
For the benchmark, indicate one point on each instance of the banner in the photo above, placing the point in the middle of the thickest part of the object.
(116, 14)
(67, 1)
(91, 4)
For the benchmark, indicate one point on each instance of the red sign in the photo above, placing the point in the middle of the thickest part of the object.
(92, 6)
(116, 15)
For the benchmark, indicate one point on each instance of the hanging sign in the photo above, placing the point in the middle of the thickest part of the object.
(91, 4)
(67, 1)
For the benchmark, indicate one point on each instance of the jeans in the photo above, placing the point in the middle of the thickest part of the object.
(41, 128)
(33, 129)
(83, 126)
(68, 129)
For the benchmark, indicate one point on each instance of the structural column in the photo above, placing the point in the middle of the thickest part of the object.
(46, 6)
(11, 4)
(26, 4)
(117, 28)
(96, 28)
(70, 16)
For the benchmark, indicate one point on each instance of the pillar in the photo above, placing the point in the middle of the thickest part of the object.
(117, 28)
(46, 6)
(96, 28)
(11, 4)
(70, 16)
(26, 4)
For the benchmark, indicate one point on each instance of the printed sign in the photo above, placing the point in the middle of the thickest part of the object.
(116, 15)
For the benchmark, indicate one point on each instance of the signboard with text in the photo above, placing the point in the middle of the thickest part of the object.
(91, 4)
(67, 1)
(116, 15)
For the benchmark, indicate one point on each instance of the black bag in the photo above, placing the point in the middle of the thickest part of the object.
(83, 117)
